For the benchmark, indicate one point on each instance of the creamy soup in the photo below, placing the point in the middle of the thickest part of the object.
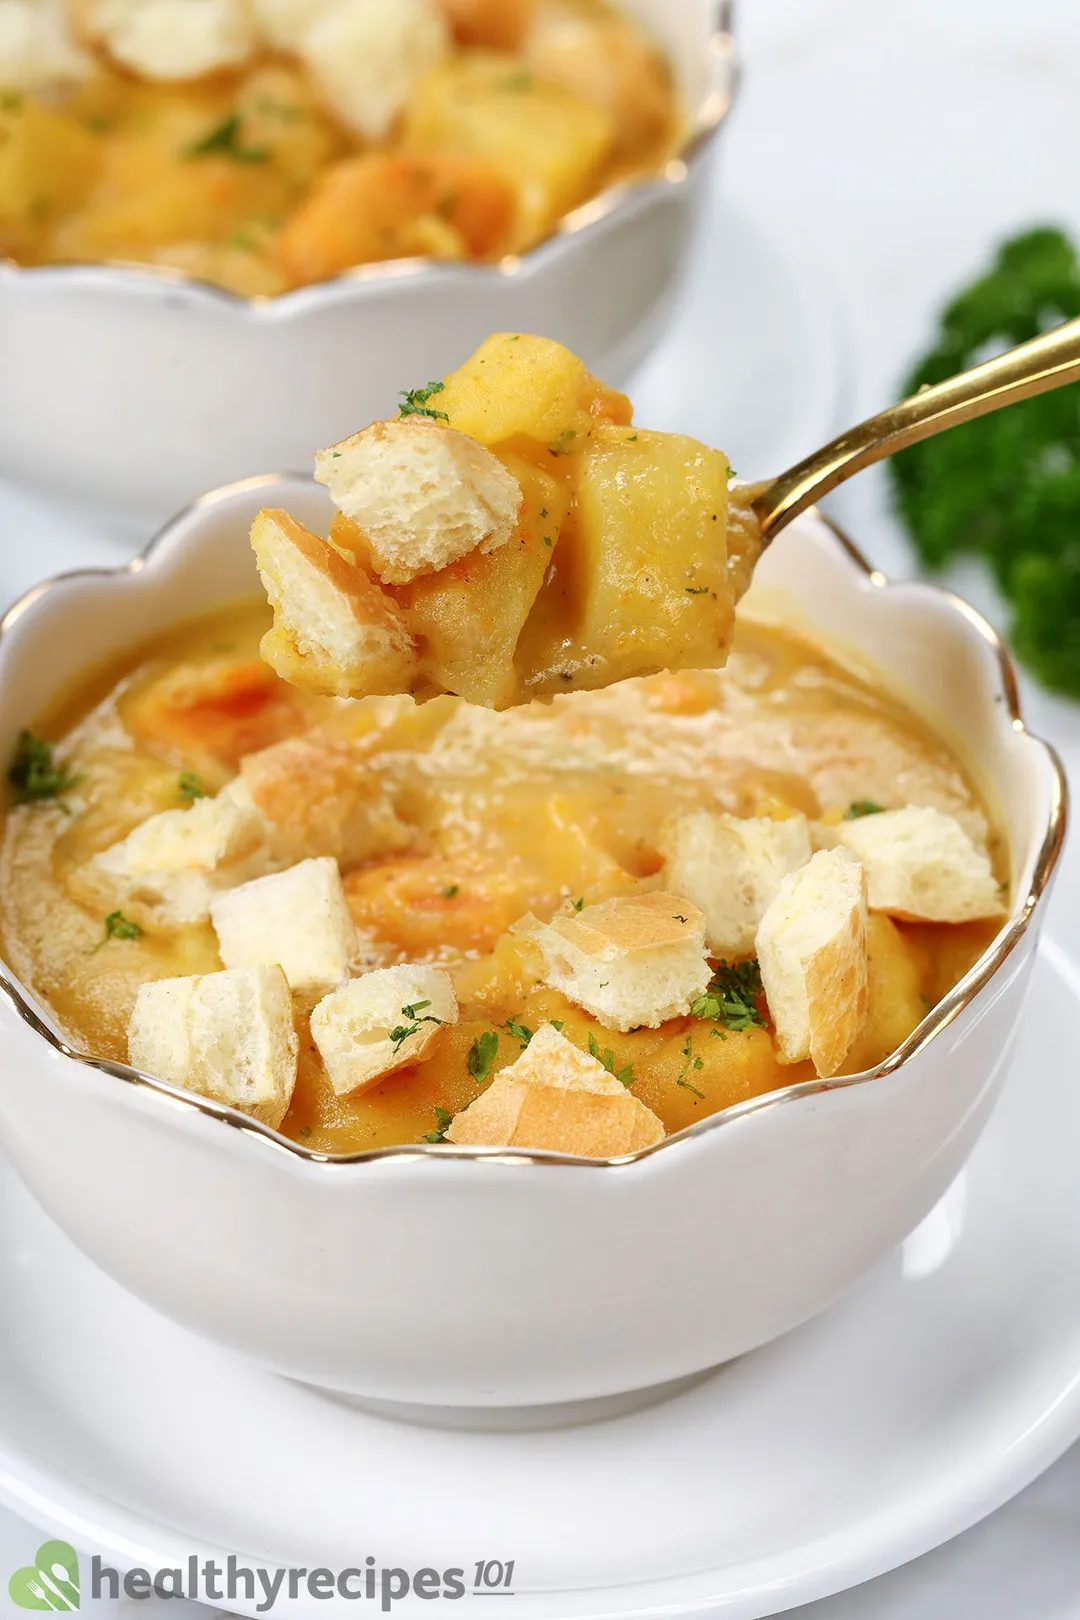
(476, 818)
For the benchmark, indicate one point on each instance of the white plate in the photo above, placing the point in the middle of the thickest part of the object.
(942, 1386)
(749, 363)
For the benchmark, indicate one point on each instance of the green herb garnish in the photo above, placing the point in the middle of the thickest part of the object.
(1007, 486)
(520, 1032)
(443, 1118)
(606, 1059)
(482, 1055)
(450, 891)
(224, 141)
(415, 1016)
(731, 998)
(117, 926)
(190, 787)
(563, 445)
(34, 773)
(692, 1062)
(862, 807)
(578, 903)
(697, 590)
(415, 402)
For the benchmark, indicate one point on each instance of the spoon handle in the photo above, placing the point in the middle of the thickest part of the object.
(1045, 362)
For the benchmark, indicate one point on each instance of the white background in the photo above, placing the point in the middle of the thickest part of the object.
(889, 146)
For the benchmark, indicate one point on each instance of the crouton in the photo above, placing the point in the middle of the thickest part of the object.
(630, 961)
(811, 945)
(285, 23)
(227, 1035)
(366, 55)
(380, 1022)
(335, 632)
(423, 495)
(554, 1096)
(922, 866)
(318, 797)
(297, 918)
(37, 50)
(731, 868)
(167, 39)
(165, 873)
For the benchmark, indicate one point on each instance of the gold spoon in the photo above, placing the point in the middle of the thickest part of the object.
(1045, 362)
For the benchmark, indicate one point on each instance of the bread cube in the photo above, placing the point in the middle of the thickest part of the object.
(922, 866)
(630, 961)
(166, 872)
(646, 565)
(551, 143)
(811, 945)
(423, 495)
(380, 1022)
(469, 617)
(298, 918)
(556, 1097)
(168, 39)
(229, 1036)
(317, 796)
(37, 49)
(366, 56)
(731, 868)
(335, 632)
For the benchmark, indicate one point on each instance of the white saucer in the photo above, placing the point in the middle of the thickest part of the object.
(942, 1386)
(749, 363)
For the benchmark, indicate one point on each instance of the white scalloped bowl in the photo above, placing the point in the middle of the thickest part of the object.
(130, 387)
(449, 1277)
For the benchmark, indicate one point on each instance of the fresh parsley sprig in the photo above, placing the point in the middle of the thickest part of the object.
(415, 1017)
(482, 1054)
(34, 773)
(415, 402)
(190, 787)
(606, 1059)
(862, 807)
(731, 997)
(443, 1118)
(117, 926)
(692, 1062)
(520, 1032)
(224, 141)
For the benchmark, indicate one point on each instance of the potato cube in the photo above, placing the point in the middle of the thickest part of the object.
(549, 141)
(516, 384)
(642, 578)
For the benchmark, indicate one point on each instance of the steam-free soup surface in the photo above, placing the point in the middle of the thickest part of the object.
(488, 816)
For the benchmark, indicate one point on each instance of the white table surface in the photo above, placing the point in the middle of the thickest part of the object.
(894, 144)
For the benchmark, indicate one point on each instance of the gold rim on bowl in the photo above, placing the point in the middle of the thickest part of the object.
(936, 1020)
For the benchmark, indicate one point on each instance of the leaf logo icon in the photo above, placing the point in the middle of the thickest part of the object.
(50, 1582)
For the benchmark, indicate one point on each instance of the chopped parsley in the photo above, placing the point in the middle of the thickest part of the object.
(443, 1117)
(415, 402)
(547, 539)
(543, 511)
(415, 1016)
(632, 439)
(10, 100)
(557, 1023)
(697, 590)
(117, 926)
(482, 1055)
(34, 773)
(450, 891)
(578, 903)
(190, 787)
(606, 1059)
(731, 998)
(224, 141)
(563, 445)
(692, 1062)
(520, 1032)
(862, 807)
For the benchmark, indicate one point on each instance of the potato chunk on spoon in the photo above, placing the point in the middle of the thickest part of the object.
(512, 534)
